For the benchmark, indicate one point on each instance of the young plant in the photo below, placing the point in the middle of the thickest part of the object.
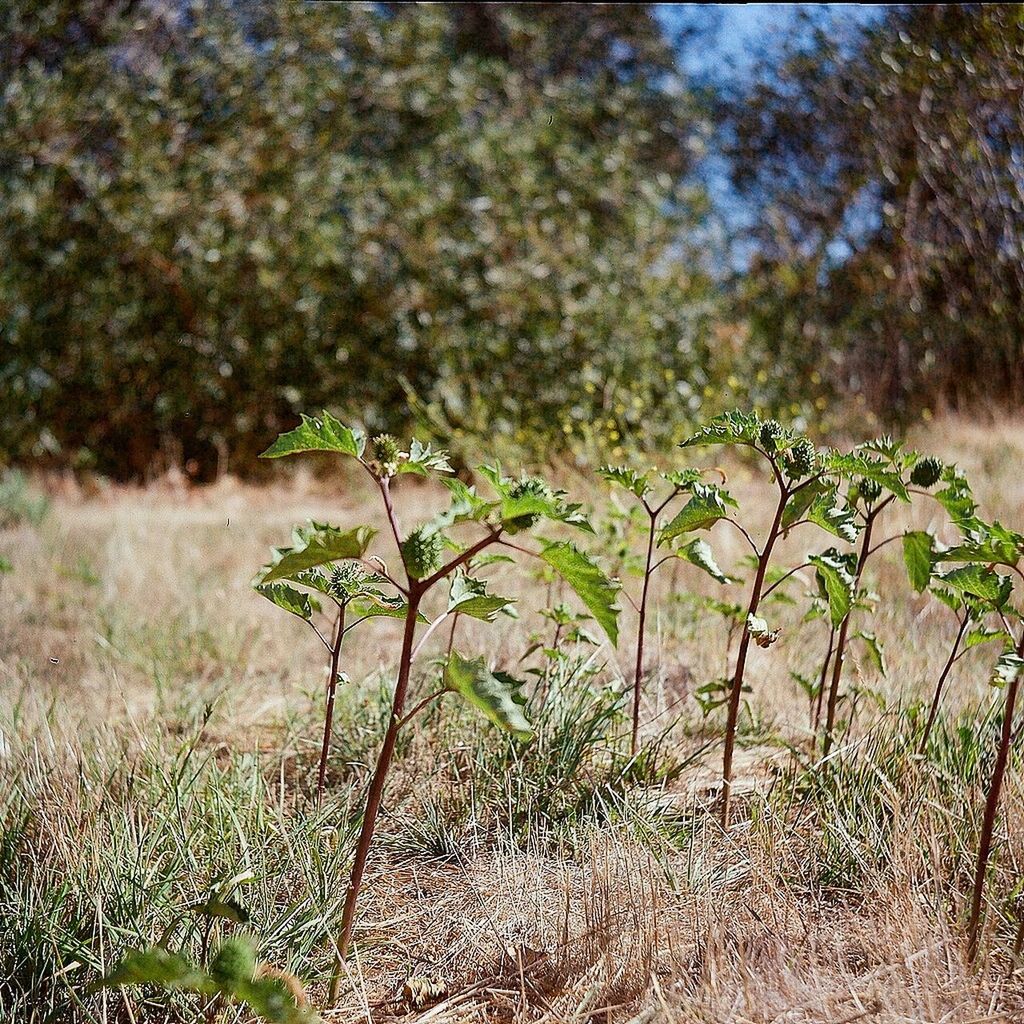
(984, 549)
(697, 551)
(233, 975)
(804, 496)
(428, 555)
(876, 473)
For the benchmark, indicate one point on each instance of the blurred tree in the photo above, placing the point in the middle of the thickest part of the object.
(884, 163)
(216, 214)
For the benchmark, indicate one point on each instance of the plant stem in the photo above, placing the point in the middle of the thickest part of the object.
(332, 686)
(844, 632)
(942, 682)
(821, 679)
(736, 689)
(639, 670)
(376, 790)
(991, 807)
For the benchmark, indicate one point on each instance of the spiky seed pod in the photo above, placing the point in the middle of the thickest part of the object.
(386, 452)
(927, 472)
(235, 961)
(344, 579)
(422, 553)
(771, 433)
(528, 486)
(869, 490)
(801, 459)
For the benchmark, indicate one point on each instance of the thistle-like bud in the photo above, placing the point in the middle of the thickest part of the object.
(927, 472)
(801, 459)
(527, 487)
(771, 433)
(869, 490)
(386, 451)
(422, 553)
(235, 961)
(344, 580)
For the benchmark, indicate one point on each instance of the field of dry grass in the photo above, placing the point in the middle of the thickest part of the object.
(159, 732)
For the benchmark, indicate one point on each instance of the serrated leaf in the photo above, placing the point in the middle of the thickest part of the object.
(158, 966)
(992, 543)
(956, 497)
(321, 433)
(982, 635)
(730, 428)
(591, 585)
(836, 572)
(288, 598)
(850, 465)
(469, 596)
(494, 694)
(636, 483)
(919, 558)
(707, 505)
(833, 516)
(875, 650)
(979, 581)
(321, 545)
(683, 479)
(1007, 668)
(423, 460)
(699, 553)
(800, 502)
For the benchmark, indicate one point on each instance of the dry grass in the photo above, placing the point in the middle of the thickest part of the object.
(158, 725)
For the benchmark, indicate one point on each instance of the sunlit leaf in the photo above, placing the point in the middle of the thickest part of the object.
(288, 598)
(919, 558)
(321, 433)
(699, 553)
(323, 544)
(469, 596)
(707, 505)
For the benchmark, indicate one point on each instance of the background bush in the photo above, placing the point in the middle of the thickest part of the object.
(509, 220)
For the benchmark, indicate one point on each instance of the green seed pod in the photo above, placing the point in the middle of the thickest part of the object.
(771, 434)
(927, 472)
(345, 579)
(801, 459)
(386, 452)
(422, 553)
(235, 961)
(525, 488)
(869, 490)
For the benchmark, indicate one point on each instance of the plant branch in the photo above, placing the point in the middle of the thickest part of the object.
(421, 705)
(739, 526)
(461, 559)
(782, 579)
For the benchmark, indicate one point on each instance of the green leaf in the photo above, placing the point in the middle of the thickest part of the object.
(833, 516)
(158, 966)
(800, 502)
(423, 461)
(6, 565)
(992, 543)
(919, 558)
(1007, 668)
(591, 585)
(979, 581)
(730, 428)
(288, 598)
(318, 434)
(230, 910)
(956, 497)
(636, 483)
(836, 572)
(699, 553)
(875, 650)
(707, 505)
(982, 635)
(469, 596)
(850, 465)
(321, 544)
(495, 694)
